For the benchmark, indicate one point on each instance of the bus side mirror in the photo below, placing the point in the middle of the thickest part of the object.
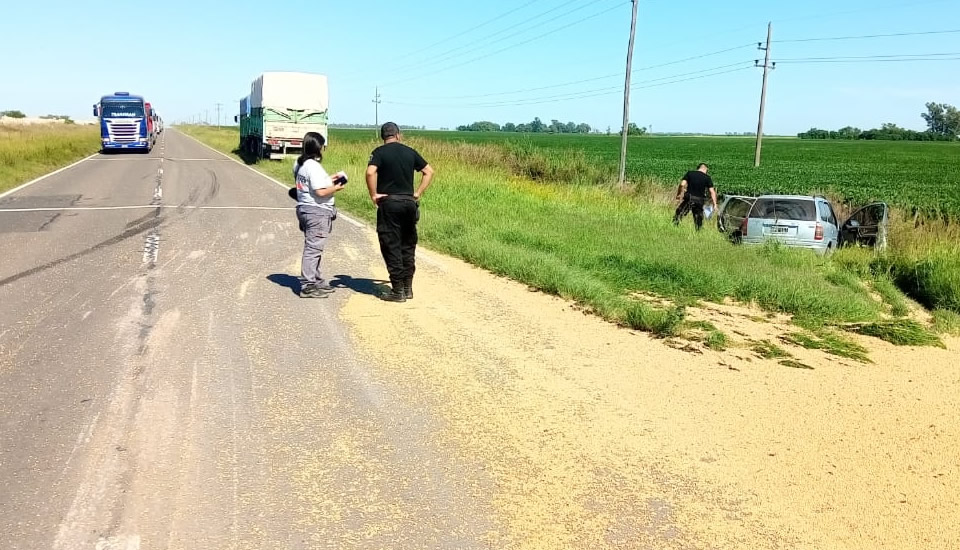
(96, 111)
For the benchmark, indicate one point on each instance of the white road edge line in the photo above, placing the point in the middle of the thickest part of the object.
(429, 258)
(142, 207)
(41, 178)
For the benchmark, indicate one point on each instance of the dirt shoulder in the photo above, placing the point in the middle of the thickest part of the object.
(597, 436)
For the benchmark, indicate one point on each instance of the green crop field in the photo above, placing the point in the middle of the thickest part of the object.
(908, 175)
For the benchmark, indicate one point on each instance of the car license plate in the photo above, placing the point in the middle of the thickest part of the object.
(779, 230)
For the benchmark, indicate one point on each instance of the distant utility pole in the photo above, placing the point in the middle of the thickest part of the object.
(763, 93)
(376, 108)
(626, 96)
(218, 114)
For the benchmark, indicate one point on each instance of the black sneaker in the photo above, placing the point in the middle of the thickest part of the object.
(393, 296)
(408, 290)
(311, 291)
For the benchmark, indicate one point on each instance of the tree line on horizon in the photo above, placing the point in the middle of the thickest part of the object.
(537, 126)
(943, 124)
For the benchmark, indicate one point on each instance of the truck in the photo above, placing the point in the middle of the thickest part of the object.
(281, 108)
(151, 122)
(124, 122)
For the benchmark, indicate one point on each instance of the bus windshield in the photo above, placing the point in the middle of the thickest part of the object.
(122, 109)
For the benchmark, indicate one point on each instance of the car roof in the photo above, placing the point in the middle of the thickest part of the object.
(792, 197)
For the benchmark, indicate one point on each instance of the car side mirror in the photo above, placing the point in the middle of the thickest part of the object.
(853, 224)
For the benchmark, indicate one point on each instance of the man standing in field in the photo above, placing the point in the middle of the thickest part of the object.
(390, 182)
(692, 194)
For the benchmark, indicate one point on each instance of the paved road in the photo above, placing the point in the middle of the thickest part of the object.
(162, 386)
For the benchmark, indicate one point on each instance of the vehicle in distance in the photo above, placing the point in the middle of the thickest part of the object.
(281, 108)
(803, 222)
(124, 122)
(151, 127)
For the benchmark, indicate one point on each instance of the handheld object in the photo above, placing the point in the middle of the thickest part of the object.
(340, 178)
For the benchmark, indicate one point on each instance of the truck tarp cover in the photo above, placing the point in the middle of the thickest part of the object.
(290, 91)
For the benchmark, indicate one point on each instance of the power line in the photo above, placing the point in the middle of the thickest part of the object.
(589, 93)
(906, 56)
(900, 60)
(515, 45)
(617, 88)
(594, 79)
(866, 36)
(454, 52)
(871, 8)
(472, 28)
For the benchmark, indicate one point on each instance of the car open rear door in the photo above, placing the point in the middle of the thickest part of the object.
(867, 227)
(732, 213)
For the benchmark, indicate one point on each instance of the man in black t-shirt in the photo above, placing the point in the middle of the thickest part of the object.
(390, 182)
(692, 194)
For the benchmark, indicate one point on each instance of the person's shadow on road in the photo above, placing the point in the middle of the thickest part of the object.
(286, 281)
(370, 287)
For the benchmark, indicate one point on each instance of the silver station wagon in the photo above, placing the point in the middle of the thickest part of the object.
(802, 222)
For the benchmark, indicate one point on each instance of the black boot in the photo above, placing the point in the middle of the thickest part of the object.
(396, 294)
(408, 289)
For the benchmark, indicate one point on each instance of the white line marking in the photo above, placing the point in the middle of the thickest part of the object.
(151, 248)
(173, 159)
(344, 217)
(142, 159)
(144, 207)
(41, 178)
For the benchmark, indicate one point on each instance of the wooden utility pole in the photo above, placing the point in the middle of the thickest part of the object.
(376, 109)
(763, 93)
(626, 97)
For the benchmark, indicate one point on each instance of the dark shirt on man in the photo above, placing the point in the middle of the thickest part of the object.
(698, 183)
(396, 164)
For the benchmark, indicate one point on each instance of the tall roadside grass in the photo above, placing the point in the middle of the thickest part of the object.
(29, 151)
(602, 248)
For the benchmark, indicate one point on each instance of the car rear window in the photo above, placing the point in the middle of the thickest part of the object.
(785, 209)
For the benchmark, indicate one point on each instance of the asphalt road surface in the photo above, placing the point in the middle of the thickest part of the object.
(160, 380)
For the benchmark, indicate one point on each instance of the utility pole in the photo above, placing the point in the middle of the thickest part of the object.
(626, 97)
(763, 94)
(376, 108)
(218, 114)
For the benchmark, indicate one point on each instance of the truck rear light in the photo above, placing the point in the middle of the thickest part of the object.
(818, 233)
(743, 227)
(273, 141)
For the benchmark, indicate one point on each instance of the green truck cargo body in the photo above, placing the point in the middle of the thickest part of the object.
(280, 110)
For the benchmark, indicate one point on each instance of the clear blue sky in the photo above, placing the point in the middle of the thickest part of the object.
(186, 56)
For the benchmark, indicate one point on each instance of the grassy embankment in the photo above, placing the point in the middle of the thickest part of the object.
(27, 152)
(604, 248)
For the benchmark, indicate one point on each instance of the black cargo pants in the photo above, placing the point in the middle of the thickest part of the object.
(397, 217)
(690, 205)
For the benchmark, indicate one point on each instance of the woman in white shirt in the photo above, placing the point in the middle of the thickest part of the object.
(315, 211)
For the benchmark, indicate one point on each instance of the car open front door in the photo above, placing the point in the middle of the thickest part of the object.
(867, 227)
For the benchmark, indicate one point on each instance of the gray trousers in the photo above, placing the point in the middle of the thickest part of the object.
(316, 224)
